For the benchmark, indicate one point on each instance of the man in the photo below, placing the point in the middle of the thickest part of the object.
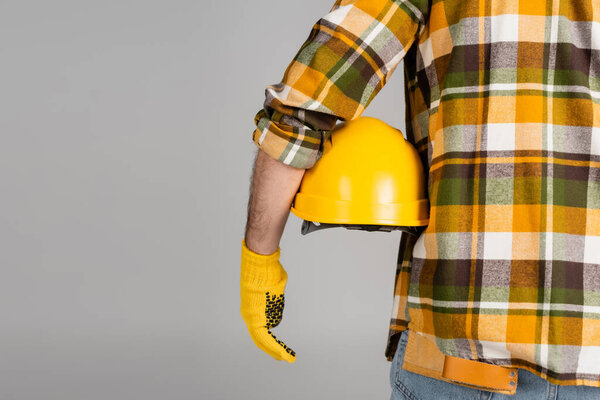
(502, 105)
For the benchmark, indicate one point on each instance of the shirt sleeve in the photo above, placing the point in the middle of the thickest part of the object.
(348, 57)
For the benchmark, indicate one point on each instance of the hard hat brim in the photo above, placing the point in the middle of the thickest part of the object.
(325, 210)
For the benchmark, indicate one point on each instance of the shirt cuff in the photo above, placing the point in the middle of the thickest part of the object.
(293, 146)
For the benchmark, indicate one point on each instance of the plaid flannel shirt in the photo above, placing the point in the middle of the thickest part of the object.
(502, 104)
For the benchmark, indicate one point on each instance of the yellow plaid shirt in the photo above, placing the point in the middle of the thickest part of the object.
(503, 107)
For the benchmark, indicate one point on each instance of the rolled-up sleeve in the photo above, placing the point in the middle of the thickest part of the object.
(348, 57)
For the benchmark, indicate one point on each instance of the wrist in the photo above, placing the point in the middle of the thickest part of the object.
(262, 243)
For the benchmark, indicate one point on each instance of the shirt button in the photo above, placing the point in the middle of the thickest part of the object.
(513, 374)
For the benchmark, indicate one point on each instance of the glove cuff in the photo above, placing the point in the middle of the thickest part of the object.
(260, 268)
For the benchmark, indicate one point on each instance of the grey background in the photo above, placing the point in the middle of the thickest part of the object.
(125, 157)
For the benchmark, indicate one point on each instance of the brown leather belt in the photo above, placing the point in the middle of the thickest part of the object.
(422, 356)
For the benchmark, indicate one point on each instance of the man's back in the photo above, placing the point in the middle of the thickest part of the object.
(502, 105)
(503, 108)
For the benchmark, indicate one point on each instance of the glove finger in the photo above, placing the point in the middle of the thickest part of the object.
(268, 342)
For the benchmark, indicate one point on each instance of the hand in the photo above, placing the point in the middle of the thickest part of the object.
(262, 288)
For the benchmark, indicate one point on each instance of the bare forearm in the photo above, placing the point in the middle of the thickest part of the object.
(274, 185)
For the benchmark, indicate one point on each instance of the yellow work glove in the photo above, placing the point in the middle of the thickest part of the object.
(261, 290)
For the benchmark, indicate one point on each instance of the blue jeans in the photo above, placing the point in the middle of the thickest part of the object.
(408, 385)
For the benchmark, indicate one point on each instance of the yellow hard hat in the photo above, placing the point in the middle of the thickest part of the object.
(368, 178)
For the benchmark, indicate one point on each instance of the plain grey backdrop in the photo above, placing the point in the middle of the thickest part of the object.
(125, 158)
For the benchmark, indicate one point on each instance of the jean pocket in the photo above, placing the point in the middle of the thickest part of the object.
(420, 387)
(398, 374)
